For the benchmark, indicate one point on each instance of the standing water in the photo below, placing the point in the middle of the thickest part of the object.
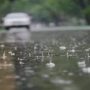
(42, 64)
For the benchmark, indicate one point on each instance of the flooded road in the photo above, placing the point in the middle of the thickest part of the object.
(7, 81)
(42, 66)
(46, 64)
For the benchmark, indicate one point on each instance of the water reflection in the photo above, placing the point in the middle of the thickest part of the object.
(44, 66)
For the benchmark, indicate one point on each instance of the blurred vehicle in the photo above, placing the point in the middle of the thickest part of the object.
(16, 20)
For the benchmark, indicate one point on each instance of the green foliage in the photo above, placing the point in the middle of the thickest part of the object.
(86, 10)
(3, 6)
(45, 9)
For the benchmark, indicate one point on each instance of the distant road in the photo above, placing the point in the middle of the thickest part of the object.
(44, 31)
(54, 29)
(61, 28)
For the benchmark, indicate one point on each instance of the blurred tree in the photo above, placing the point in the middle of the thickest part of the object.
(4, 7)
(48, 10)
(85, 7)
(57, 7)
(12, 0)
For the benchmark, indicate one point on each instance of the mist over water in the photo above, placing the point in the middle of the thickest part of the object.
(20, 35)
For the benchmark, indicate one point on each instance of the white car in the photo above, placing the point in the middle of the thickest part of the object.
(17, 19)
